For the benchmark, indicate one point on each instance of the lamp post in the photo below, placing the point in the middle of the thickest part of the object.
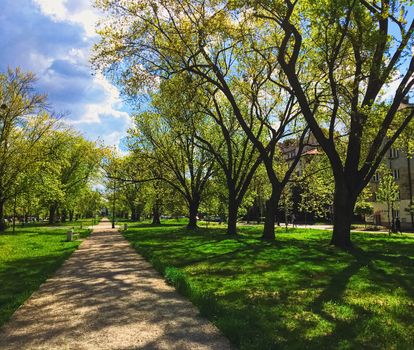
(113, 204)
(3, 109)
(114, 190)
(14, 211)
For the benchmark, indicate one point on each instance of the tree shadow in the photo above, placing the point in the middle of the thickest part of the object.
(105, 295)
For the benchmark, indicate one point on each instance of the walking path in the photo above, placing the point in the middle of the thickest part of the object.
(106, 296)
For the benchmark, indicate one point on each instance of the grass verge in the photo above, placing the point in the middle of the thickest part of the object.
(27, 259)
(295, 293)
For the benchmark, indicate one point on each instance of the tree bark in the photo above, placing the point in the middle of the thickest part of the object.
(343, 211)
(52, 213)
(233, 210)
(134, 213)
(193, 211)
(71, 212)
(64, 215)
(270, 216)
(156, 214)
(2, 221)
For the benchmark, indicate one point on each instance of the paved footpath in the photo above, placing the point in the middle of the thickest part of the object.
(106, 296)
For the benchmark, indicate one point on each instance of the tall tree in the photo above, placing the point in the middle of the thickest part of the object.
(218, 132)
(217, 45)
(387, 193)
(357, 47)
(176, 158)
(71, 165)
(23, 124)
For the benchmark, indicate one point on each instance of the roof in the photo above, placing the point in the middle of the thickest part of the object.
(312, 152)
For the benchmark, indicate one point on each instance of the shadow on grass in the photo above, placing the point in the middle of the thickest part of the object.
(20, 278)
(27, 259)
(295, 293)
(98, 288)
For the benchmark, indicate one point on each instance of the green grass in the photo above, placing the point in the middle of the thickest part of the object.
(295, 293)
(27, 259)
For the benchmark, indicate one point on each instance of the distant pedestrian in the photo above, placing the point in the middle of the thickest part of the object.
(398, 225)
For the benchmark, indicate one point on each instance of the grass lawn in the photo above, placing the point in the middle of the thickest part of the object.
(27, 259)
(295, 293)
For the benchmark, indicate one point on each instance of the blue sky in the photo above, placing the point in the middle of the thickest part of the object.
(53, 39)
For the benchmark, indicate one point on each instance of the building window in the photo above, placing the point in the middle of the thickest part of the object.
(396, 174)
(394, 153)
(398, 195)
(376, 177)
(396, 213)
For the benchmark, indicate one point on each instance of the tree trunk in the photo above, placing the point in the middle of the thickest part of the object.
(156, 214)
(232, 218)
(270, 216)
(2, 221)
(233, 209)
(193, 211)
(71, 212)
(343, 210)
(64, 215)
(134, 213)
(52, 213)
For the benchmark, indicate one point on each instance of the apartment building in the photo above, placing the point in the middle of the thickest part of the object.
(401, 168)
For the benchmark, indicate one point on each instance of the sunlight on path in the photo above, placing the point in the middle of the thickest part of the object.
(107, 297)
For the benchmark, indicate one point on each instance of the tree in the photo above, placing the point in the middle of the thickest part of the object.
(165, 38)
(71, 165)
(24, 123)
(176, 159)
(132, 192)
(89, 203)
(405, 142)
(363, 205)
(387, 193)
(218, 132)
(314, 184)
(354, 49)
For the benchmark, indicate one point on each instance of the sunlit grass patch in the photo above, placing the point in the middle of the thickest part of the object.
(295, 293)
(27, 259)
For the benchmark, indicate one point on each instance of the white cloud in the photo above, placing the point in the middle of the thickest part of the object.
(93, 105)
(60, 11)
(110, 104)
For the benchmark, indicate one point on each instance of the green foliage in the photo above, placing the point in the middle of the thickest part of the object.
(172, 155)
(316, 186)
(388, 189)
(364, 205)
(24, 122)
(43, 164)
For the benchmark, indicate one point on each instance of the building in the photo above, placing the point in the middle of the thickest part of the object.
(401, 167)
